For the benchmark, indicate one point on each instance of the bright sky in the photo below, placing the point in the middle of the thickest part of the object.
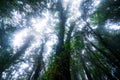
(40, 28)
(42, 25)
(112, 26)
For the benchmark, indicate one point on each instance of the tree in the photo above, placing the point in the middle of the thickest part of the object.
(85, 49)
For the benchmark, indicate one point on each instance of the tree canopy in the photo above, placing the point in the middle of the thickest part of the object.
(59, 40)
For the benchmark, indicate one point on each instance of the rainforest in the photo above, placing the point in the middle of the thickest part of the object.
(59, 39)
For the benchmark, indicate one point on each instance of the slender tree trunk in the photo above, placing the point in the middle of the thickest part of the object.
(114, 53)
(83, 77)
(39, 62)
(101, 66)
(104, 70)
(109, 57)
(85, 68)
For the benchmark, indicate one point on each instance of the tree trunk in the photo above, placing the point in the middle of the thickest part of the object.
(85, 68)
(62, 70)
(101, 66)
(39, 62)
(114, 53)
(109, 57)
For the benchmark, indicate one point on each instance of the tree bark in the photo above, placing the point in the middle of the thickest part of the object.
(39, 62)
(85, 68)
(62, 71)
(109, 57)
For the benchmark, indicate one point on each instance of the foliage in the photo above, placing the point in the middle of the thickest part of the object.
(79, 54)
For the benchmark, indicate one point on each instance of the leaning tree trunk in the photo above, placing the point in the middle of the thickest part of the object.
(85, 68)
(39, 62)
